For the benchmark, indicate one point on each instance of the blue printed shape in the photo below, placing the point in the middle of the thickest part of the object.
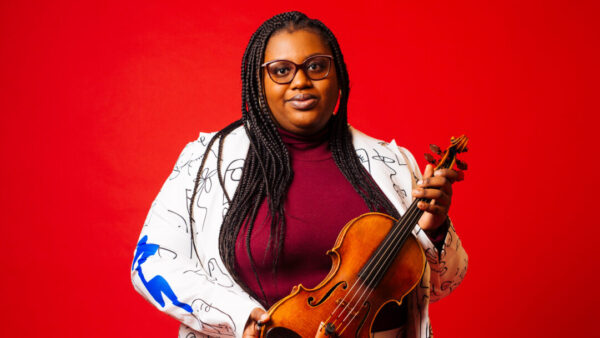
(158, 285)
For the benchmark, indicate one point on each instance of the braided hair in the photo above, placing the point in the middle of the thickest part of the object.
(267, 172)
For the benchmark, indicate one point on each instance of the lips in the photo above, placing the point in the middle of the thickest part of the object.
(303, 101)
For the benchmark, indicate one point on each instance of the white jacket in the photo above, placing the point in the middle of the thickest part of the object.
(199, 292)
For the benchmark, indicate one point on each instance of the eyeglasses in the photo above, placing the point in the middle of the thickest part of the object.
(315, 67)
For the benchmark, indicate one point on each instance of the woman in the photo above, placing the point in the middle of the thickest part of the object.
(267, 195)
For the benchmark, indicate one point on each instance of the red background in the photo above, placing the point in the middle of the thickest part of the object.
(98, 99)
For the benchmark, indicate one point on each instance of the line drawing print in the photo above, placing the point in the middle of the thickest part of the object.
(205, 185)
(161, 249)
(227, 328)
(214, 274)
(205, 180)
(189, 158)
(363, 156)
(199, 213)
(182, 221)
(386, 160)
(231, 178)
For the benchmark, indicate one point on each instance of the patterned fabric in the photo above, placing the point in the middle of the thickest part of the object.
(197, 289)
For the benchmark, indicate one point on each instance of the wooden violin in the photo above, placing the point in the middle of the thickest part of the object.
(375, 260)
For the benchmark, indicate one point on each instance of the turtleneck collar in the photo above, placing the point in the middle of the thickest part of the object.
(307, 148)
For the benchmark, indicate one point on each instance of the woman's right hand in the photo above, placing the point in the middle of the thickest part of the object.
(257, 315)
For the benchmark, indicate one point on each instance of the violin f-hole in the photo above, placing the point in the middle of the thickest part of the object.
(311, 300)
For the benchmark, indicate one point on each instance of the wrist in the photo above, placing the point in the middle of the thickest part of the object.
(436, 231)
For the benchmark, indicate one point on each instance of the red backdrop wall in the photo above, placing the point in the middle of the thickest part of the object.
(98, 99)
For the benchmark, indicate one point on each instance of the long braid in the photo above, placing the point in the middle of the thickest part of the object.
(267, 172)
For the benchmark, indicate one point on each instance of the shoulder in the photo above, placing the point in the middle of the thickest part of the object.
(358, 137)
(193, 152)
(362, 140)
(204, 139)
(365, 143)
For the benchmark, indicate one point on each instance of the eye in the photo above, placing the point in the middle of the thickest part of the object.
(315, 66)
(318, 65)
(280, 69)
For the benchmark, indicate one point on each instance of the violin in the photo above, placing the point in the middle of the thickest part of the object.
(375, 260)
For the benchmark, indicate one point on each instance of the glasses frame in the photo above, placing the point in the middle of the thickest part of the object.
(302, 66)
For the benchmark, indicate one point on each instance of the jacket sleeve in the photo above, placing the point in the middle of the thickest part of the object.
(166, 270)
(448, 267)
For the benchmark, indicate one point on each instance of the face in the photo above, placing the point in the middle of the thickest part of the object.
(300, 114)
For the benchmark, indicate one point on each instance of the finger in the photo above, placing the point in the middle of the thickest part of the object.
(439, 196)
(433, 182)
(257, 313)
(441, 183)
(428, 171)
(433, 208)
(264, 318)
(450, 174)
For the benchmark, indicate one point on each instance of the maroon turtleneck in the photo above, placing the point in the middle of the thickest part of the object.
(320, 201)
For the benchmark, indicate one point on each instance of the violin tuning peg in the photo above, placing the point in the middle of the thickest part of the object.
(435, 149)
(430, 159)
(461, 165)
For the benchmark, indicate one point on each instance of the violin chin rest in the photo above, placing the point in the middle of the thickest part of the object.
(281, 332)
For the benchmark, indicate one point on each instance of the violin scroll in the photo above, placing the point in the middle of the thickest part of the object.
(448, 158)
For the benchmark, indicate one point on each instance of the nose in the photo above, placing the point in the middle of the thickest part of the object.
(300, 80)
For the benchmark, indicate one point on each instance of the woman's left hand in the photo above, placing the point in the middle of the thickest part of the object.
(436, 186)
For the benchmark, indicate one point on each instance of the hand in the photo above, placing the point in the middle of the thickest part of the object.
(436, 186)
(258, 315)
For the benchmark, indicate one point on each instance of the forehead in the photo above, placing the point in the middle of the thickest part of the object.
(295, 46)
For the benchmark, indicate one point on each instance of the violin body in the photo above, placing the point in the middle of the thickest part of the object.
(341, 305)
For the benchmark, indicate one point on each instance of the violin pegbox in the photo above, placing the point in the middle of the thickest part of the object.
(447, 158)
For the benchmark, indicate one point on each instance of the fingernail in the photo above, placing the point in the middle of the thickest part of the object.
(420, 182)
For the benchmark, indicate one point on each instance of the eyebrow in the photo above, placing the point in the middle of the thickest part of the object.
(311, 55)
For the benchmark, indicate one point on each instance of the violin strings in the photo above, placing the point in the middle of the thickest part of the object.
(389, 243)
(369, 287)
(369, 290)
(403, 236)
(412, 216)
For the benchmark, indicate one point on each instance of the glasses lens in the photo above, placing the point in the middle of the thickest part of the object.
(317, 67)
(281, 71)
